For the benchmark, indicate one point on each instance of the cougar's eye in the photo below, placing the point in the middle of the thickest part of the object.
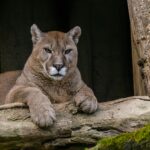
(67, 51)
(47, 50)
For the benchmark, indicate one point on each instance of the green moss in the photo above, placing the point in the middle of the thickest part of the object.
(138, 140)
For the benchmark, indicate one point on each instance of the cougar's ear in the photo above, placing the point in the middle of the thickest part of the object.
(75, 34)
(36, 34)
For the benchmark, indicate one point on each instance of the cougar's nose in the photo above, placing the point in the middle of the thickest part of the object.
(58, 66)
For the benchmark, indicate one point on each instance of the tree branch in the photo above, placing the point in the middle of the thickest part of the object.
(71, 127)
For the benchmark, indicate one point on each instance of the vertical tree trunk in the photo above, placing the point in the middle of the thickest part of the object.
(140, 36)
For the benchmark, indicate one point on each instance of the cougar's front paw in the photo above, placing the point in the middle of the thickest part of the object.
(43, 116)
(88, 105)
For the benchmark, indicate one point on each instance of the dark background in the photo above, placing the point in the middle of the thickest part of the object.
(104, 47)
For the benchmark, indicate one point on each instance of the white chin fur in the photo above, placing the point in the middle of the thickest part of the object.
(53, 71)
(57, 77)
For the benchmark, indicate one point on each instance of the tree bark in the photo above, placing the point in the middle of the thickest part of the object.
(140, 34)
(72, 127)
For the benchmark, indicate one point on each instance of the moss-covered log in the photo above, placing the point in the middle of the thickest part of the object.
(138, 140)
(115, 117)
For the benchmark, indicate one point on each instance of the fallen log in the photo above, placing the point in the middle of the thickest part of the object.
(72, 127)
(137, 140)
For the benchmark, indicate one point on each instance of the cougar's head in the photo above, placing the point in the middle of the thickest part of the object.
(55, 52)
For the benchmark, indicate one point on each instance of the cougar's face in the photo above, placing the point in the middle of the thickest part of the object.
(57, 53)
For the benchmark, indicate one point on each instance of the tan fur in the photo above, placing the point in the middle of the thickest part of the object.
(39, 88)
(7, 81)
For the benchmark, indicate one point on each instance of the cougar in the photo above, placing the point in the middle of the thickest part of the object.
(50, 75)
